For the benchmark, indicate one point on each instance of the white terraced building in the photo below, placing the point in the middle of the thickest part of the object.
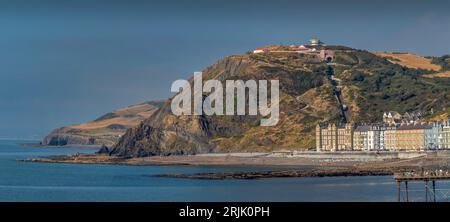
(444, 135)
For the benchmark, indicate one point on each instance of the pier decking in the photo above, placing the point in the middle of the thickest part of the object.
(422, 178)
(426, 176)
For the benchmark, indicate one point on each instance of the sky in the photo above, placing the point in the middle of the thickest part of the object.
(67, 62)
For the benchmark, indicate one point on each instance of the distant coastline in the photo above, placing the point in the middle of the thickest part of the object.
(65, 146)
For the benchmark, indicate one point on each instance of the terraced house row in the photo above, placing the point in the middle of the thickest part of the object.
(378, 137)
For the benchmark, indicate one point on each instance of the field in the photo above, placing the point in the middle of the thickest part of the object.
(438, 75)
(410, 60)
(130, 116)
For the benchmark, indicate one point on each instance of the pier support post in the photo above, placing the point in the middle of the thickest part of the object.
(406, 188)
(434, 191)
(426, 190)
(398, 190)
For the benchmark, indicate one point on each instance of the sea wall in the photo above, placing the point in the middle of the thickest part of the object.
(359, 156)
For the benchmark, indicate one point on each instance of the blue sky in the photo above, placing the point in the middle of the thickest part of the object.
(64, 62)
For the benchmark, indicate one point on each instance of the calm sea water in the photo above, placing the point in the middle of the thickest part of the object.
(25, 181)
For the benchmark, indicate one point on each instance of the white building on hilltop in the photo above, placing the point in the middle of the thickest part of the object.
(314, 41)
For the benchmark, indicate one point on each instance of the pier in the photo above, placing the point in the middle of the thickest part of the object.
(425, 176)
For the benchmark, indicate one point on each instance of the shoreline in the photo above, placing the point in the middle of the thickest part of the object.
(300, 166)
(281, 174)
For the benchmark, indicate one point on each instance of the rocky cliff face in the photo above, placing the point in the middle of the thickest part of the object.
(105, 130)
(304, 101)
(369, 84)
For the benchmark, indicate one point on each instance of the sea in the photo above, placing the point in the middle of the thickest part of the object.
(49, 182)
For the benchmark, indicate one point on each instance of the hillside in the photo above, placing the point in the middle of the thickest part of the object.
(105, 130)
(370, 84)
